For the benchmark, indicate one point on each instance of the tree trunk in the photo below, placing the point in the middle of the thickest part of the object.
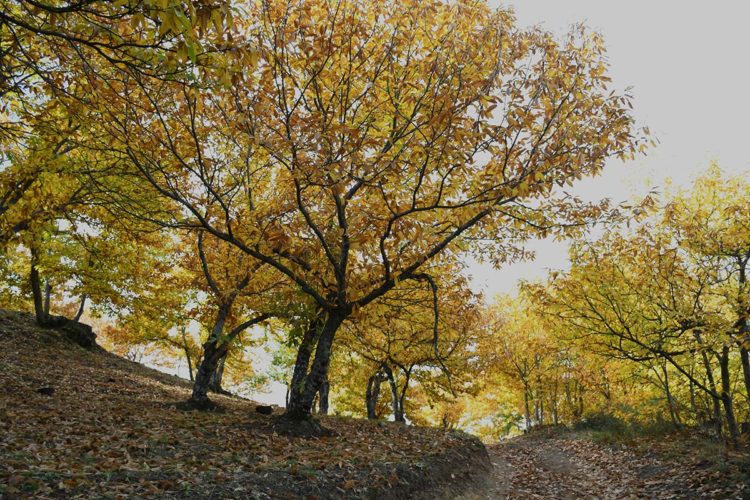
(307, 384)
(744, 323)
(398, 414)
(526, 408)
(214, 385)
(47, 296)
(212, 354)
(323, 397)
(402, 398)
(673, 415)
(726, 395)
(42, 318)
(302, 362)
(371, 395)
(715, 398)
(745, 368)
(82, 308)
(185, 349)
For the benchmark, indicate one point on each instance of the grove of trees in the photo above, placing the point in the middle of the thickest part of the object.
(207, 180)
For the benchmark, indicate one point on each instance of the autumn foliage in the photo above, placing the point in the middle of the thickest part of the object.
(276, 193)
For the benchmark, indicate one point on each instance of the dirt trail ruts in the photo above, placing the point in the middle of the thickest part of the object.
(568, 468)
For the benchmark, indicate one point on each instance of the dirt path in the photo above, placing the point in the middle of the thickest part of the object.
(567, 468)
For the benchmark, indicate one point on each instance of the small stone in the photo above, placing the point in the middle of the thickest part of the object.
(47, 391)
(264, 409)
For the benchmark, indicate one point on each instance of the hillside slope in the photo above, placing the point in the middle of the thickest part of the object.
(81, 423)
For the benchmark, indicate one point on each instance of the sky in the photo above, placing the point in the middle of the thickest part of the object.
(687, 64)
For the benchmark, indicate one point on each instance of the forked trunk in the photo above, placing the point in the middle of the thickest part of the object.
(306, 384)
(212, 354)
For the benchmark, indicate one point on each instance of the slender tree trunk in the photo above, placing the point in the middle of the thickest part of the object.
(371, 395)
(527, 410)
(555, 417)
(745, 361)
(185, 349)
(47, 297)
(398, 414)
(190, 366)
(42, 318)
(402, 397)
(82, 308)
(670, 401)
(744, 324)
(726, 395)
(715, 398)
(307, 384)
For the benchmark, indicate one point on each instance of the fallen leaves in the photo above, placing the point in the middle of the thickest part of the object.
(111, 428)
(571, 465)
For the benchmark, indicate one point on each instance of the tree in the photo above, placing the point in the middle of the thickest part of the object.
(643, 298)
(373, 139)
(415, 336)
(711, 221)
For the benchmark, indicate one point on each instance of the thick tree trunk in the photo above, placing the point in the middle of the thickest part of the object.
(726, 395)
(302, 362)
(212, 354)
(214, 385)
(306, 385)
(323, 397)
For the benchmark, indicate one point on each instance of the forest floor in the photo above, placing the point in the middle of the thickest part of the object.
(77, 423)
(563, 464)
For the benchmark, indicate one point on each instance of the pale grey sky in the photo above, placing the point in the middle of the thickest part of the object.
(687, 64)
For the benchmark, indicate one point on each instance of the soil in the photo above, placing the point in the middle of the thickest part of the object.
(571, 465)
